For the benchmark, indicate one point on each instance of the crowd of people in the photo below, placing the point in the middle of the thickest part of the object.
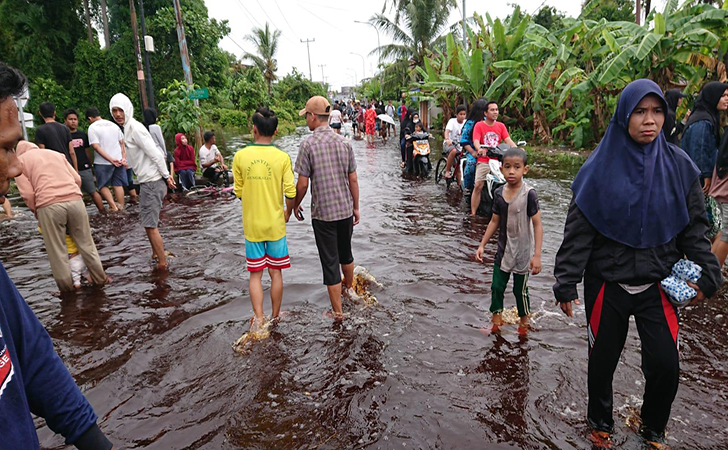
(622, 235)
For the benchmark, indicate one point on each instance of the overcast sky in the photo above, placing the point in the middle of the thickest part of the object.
(331, 24)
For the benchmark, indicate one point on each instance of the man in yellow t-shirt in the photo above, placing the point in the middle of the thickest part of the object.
(263, 175)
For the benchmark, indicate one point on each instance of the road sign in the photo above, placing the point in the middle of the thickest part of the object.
(199, 94)
(28, 119)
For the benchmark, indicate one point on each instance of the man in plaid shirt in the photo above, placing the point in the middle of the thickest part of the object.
(328, 161)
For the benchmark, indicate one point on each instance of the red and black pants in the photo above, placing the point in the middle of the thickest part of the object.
(608, 308)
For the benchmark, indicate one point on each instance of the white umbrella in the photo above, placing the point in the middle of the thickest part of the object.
(385, 118)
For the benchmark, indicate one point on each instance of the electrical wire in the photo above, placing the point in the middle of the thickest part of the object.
(248, 14)
(287, 22)
(319, 18)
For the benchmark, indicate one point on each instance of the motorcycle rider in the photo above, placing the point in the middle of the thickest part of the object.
(489, 133)
(453, 130)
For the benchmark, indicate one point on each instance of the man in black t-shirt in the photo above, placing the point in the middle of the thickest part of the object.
(53, 135)
(79, 142)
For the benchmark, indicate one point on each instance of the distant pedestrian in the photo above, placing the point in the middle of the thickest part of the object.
(370, 119)
(151, 170)
(673, 128)
(50, 188)
(55, 136)
(107, 140)
(184, 162)
(390, 111)
(402, 112)
(328, 162)
(263, 175)
(150, 121)
(335, 120)
(81, 147)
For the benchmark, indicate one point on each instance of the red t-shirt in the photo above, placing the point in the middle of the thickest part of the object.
(489, 136)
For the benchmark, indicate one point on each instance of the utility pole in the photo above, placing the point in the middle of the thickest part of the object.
(150, 86)
(185, 61)
(638, 12)
(323, 79)
(140, 71)
(310, 75)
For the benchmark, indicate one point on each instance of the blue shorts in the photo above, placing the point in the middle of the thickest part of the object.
(267, 254)
(110, 175)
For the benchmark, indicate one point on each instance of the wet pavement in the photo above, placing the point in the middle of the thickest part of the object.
(153, 353)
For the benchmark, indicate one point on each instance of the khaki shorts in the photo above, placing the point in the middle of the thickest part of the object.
(481, 171)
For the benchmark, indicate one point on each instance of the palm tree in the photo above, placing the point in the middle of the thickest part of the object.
(417, 29)
(266, 46)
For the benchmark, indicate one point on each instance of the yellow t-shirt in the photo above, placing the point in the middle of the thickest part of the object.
(263, 174)
(70, 245)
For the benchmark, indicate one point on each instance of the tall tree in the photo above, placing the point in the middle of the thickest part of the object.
(105, 21)
(266, 46)
(87, 17)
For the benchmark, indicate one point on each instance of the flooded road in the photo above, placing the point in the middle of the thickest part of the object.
(153, 353)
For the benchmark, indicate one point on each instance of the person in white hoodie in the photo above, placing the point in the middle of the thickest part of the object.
(150, 166)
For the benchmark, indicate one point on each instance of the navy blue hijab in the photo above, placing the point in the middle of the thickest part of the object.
(631, 193)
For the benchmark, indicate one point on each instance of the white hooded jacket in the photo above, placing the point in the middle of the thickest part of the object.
(142, 152)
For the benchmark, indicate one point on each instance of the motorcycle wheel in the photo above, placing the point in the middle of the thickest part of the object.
(440, 170)
(424, 171)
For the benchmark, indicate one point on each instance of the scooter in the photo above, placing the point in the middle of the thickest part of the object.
(495, 178)
(421, 149)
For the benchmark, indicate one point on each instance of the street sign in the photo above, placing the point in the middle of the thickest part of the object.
(28, 119)
(199, 94)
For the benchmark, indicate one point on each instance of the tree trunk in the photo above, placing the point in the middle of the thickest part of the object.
(87, 16)
(648, 7)
(638, 12)
(105, 20)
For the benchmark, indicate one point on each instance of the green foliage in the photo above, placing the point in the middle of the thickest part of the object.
(234, 119)
(249, 90)
(298, 89)
(47, 90)
(178, 113)
(266, 46)
(563, 83)
(549, 18)
(611, 10)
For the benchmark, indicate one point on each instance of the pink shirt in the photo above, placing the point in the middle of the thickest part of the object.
(47, 178)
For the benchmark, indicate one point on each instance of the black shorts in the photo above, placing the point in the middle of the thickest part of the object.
(336, 126)
(333, 240)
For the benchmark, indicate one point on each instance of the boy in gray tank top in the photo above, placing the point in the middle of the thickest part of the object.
(517, 218)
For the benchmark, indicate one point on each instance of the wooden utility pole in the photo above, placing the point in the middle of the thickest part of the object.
(186, 61)
(87, 16)
(310, 74)
(323, 80)
(138, 55)
(638, 12)
(150, 86)
(105, 21)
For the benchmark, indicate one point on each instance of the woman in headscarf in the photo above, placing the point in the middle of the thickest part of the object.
(409, 128)
(700, 140)
(184, 161)
(477, 113)
(673, 128)
(637, 209)
(719, 181)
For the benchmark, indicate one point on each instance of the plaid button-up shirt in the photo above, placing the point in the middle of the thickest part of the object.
(327, 159)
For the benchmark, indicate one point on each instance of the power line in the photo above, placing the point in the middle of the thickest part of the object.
(284, 18)
(322, 20)
(248, 14)
(234, 42)
(266, 15)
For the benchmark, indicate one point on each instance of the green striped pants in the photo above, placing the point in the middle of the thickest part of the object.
(520, 290)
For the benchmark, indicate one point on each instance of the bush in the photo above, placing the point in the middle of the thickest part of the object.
(232, 118)
(178, 113)
(47, 90)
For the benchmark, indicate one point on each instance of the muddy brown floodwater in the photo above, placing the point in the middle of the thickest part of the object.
(153, 353)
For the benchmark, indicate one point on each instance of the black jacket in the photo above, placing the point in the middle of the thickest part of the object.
(585, 249)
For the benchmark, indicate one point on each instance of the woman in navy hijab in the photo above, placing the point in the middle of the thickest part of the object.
(637, 209)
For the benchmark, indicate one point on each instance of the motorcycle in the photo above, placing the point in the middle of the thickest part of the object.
(421, 149)
(495, 178)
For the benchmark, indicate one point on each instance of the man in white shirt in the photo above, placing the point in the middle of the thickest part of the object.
(107, 140)
(453, 131)
(211, 160)
(150, 166)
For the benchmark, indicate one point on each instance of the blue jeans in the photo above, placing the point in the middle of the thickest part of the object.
(186, 178)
